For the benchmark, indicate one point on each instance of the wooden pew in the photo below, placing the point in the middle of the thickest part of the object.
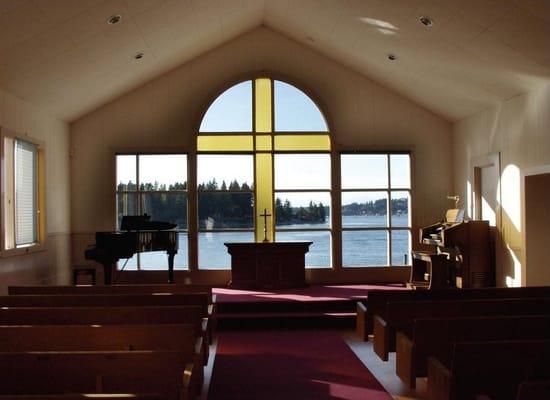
(492, 368)
(84, 396)
(110, 289)
(435, 336)
(126, 300)
(107, 300)
(165, 372)
(400, 316)
(101, 315)
(534, 390)
(184, 338)
(94, 336)
(377, 299)
(112, 316)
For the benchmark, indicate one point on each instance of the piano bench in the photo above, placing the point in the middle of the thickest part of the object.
(84, 271)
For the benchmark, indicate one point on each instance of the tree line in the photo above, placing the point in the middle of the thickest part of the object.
(225, 207)
(376, 207)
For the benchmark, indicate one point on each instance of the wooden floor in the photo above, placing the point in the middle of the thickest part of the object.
(384, 371)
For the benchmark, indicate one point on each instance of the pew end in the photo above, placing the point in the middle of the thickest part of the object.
(381, 341)
(439, 381)
(360, 326)
(404, 364)
(534, 390)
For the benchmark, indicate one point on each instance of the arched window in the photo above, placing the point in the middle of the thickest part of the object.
(263, 146)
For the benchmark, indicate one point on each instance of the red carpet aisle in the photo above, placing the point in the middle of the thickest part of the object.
(290, 365)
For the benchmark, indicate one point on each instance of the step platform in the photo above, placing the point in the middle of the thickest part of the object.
(316, 306)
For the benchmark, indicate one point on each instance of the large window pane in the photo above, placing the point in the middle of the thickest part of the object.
(219, 210)
(25, 193)
(162, 194)
(302, 171)
(235, 171)
(158, 260)
(126, 205)
(163, 172)
(130, 264)
(364, 209)
(319, 251)
(400, 167)
(295, 111)
(364, 248)
(231, 111)
(364, 171)
(212, 251)
(400, 215)
(302, 210)
(126, 177)
(168, 207)
(401, 244)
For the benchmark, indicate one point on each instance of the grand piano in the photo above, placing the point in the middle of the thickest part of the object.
(461, 255)
(138, 234)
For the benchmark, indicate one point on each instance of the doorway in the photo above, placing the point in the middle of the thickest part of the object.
(536, 223)
(486, 200)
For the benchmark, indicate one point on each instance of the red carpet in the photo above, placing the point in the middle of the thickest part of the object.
(290, 365)
(306, 294)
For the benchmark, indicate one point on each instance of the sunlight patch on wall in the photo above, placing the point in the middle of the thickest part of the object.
(511, 201)
(514, 281)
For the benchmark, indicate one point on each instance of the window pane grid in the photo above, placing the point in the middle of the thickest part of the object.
(149, 195)
(395, 223)
(273, 102)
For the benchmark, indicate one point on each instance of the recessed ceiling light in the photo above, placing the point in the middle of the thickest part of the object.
(426, 21)
(114, 19)
(139, 56)
(392, 57)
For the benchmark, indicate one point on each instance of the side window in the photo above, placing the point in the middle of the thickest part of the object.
(22, 202)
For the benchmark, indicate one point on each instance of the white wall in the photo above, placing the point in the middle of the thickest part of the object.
(52, 264)
(519, 129)
(165, 113)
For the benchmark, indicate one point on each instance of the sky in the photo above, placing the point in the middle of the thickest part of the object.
(294, 111)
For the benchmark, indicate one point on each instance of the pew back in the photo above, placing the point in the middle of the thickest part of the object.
(161, 372)
(400, 316)
(435, 337)
(377, 299)
(110, 289)
(180, 337)
(106, 300)
(101, 315)
(494, 368)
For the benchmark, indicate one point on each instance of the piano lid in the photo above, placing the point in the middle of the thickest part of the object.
(143, 223)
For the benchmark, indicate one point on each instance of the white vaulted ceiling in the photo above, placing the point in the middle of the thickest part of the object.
(64, 57)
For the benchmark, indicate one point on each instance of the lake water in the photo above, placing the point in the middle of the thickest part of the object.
(359, 248)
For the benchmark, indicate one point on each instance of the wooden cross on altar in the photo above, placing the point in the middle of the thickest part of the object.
(265, 215)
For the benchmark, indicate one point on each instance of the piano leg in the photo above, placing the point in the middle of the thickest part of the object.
(171, 267)
(108, 272)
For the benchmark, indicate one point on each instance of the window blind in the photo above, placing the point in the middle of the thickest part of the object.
(25, 193)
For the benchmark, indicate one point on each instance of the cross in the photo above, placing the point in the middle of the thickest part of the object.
(265, 215)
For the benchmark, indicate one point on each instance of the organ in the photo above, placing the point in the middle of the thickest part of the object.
(460, 256)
